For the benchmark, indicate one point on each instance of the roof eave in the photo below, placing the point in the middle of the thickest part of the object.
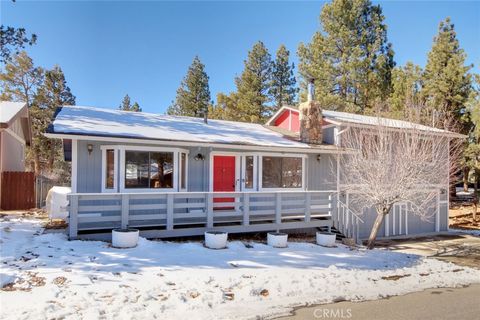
(109, 138)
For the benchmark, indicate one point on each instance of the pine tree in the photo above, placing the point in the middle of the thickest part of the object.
(126, 105)
(51, 94)
(404, 101)
(350, 59)
(447, 82)
(282, 86)
(20, 79)
(193, 95)
(253, 86)
(136, 107)
(12, 40)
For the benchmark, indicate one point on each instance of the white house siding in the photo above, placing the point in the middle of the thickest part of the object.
(12, 153)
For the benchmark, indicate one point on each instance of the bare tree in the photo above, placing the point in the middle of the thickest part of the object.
(396, 166)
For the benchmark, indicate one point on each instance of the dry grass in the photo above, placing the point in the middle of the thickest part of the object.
(461, 217)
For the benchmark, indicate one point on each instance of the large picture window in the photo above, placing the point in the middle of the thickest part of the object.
(282, 172)
(149, 170)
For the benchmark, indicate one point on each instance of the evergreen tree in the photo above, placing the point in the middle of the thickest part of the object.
(447, 82)
(282, 86)
(136, 107)
(126, 105)
(12, 40)
(404, 101)
(20, 79)
(193, 95)
(350, 58)
(253, 86)
(51, 94)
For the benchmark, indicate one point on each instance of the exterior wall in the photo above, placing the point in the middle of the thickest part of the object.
(289, 120)
(12, 154)
(329, 135)
(283, 121)
(320, 175)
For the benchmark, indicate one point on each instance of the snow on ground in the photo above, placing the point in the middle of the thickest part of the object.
(57, 278)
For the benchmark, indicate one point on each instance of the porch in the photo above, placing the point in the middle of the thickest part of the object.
(174, 214)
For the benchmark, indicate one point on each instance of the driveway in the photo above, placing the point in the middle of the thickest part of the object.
(461, 249)
(430, 304)
(443, 303)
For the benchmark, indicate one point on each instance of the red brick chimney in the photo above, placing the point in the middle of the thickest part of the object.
(310, 118)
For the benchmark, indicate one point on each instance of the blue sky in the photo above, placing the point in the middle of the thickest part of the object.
(108, 49)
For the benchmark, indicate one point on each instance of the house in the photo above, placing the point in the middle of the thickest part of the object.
(177, 176)
(15, 135)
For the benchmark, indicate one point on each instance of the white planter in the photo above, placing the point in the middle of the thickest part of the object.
(326, 239)
(125, 238)
(216, 239)
(277, 239)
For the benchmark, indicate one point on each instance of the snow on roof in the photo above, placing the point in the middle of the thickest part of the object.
(371, 120)
(8, 110)
(342, 117)
(76, 120)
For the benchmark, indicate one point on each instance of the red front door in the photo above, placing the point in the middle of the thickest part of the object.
(223, 176)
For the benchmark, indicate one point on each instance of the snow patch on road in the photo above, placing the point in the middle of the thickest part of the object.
(57, 278)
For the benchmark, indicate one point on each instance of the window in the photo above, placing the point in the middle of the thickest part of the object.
(249, 167)
(183, 171)
(282, 172)
(149, 170)
(110, 169)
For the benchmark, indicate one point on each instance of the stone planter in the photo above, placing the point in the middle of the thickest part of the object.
(277, 239)
(125, 238)
(216, 239)
(326, 239)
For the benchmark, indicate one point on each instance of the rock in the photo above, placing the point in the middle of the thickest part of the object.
(194, 294)
(264, 293)
(229, 295)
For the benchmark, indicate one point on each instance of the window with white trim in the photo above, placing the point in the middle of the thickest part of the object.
(249, 172)
(183, 171)
(109, 168)
(282, 172)
(149, 170)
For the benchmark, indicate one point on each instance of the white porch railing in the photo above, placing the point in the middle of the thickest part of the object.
(347, 221)
(191, 213)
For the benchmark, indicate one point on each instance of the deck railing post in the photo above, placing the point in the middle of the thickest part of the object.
(125, 210)
(210, 210)
(330, 205)
(170, 211)
(308, 206)
(246, 209)
(278, 208)
(73, 217)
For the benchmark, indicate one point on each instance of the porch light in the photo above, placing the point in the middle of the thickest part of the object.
(199, 156)
(90, 148)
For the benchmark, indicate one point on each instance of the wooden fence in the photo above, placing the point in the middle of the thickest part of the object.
(18, 190)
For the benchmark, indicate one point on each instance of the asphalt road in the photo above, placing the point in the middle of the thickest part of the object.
(438, 304)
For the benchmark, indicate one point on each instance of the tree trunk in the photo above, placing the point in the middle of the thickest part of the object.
(466, 170)
(475, 196)
(376, 226)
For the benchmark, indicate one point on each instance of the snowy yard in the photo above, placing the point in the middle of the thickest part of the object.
(56, 278)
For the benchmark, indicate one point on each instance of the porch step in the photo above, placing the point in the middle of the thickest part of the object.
(339, 235)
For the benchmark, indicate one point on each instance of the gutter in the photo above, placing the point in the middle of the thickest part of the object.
(330, 149)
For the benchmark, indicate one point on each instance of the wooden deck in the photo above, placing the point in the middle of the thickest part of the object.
(173, 214)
